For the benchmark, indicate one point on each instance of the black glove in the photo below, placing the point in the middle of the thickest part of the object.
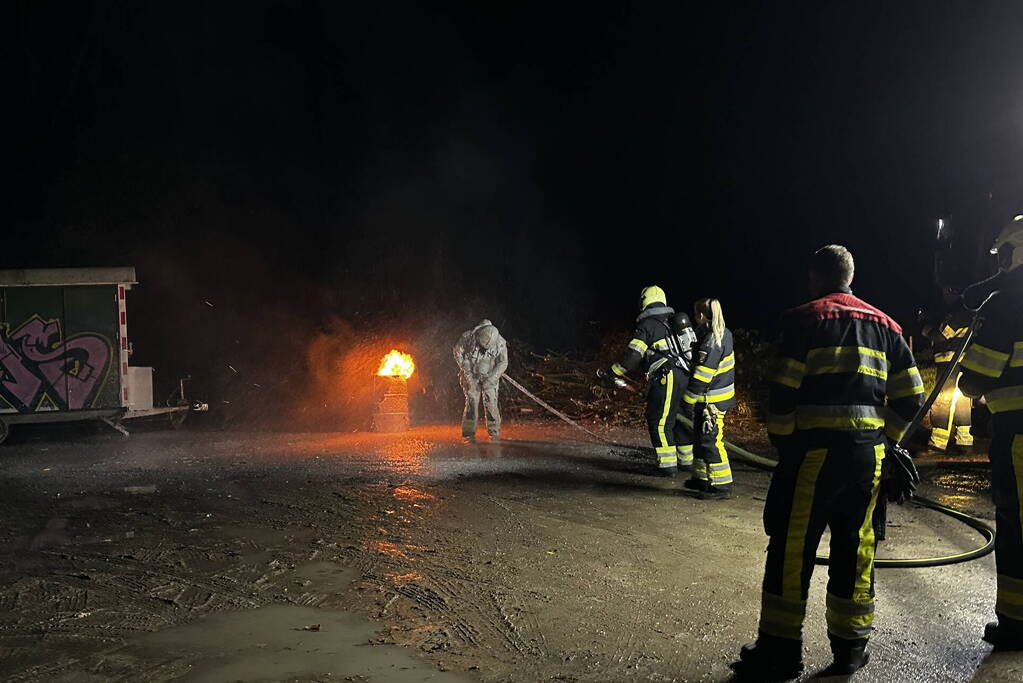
(900, 477)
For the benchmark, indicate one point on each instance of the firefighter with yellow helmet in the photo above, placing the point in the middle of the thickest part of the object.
(993, 368)
(659, 352)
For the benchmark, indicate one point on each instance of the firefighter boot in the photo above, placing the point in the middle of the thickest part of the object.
(670, 472)
(849, 657)
(770, 658)
(695, 484)
(1005, 634)
(716, 493)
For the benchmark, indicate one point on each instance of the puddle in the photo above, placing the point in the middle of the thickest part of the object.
(286, 642)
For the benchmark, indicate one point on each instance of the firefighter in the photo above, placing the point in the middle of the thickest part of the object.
(839, 358)
(710, 394)
(950, 414)
(482, 357)
(993, 368)
(651, 350)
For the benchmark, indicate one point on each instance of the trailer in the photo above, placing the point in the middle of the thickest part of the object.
(64, 350)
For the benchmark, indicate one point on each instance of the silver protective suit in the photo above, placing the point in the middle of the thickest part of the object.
(482, 357)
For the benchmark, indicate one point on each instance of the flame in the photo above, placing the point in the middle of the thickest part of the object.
(397, 364)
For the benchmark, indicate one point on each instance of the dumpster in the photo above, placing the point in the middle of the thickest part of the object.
(64, 349)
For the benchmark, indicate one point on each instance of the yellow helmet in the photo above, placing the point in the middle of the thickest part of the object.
(651, 295)
(1009, 244)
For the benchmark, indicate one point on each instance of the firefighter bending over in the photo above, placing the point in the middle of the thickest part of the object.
(993, 368)
(655, 348)
(711, 392)
(482, 357)
(839, 358)
(950, 414)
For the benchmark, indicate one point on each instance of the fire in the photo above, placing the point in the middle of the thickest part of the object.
(397, 364)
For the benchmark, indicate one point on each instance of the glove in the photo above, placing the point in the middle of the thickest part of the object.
(614, 379)
(709, 424)
(900, 477)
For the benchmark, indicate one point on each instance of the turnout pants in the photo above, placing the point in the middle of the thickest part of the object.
(1006, 455)
(664, 394)
(811, 489)
(710, 458)
(950, 415)
(473, 390)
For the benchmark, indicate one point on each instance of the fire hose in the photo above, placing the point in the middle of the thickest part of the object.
(761, 462)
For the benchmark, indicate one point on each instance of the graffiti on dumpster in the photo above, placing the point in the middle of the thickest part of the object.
(40, 370)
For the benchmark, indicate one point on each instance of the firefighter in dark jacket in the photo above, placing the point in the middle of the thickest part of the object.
(650, 351)
(993, 368)
(710, 394)
(950, 414)
(839, 360)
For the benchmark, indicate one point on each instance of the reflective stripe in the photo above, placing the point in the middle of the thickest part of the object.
(781, 425)
(905, 383)
(839, 417)
(1005, 399)
(945, 357)
(1017, 355)
(894, 425)
(849, 620)
(659, 345)
(669, 381)
(618, 370)
(963, 436)
(727, 363)
(686, 449)
(700, 470)
(948, 333)
(666, 456)
(788, 372)
(838, 359)
(799, 523)
(638, 345)
(720, 472)
(712, 396)
(985, 361)
(703, 373)
(781, 617)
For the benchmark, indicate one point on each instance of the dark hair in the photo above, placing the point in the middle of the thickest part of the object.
(833, 265)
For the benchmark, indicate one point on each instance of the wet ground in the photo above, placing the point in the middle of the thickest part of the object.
(359, 557)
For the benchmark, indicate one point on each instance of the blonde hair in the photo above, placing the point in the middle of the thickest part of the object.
(712, 309)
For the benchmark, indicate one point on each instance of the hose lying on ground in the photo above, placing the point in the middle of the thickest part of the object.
(759, 461)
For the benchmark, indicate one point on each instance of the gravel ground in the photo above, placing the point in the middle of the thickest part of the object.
(217, 556)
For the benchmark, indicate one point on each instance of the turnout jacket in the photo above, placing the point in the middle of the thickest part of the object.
(843, 375)
(649, 344)
(993, 363)
(948, 335)
(713, 378)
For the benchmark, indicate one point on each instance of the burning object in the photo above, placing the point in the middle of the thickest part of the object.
(392, 411)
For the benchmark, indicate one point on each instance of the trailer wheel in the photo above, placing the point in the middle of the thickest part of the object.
(5, 431)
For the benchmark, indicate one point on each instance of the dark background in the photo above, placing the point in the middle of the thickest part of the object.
(277, 169)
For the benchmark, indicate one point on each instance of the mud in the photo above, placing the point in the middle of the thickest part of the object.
(211, 556)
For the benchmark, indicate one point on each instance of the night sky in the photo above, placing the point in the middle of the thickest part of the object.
(537, 164)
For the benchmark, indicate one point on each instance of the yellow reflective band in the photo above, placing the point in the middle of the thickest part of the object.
(781, 617)
(781, 425)
(669, 385)
(948, 333)
(894, 425)
(703, 373)
(985, 361)
(788, 372)
(726, 364)
(686, 449)
(638, 345)
(865, 551)
(799, 523)
(945, 357)
(1010, 596)
(839, 417)
(905, 383)
(1005, 400)
(719, 395)
(841, 359)
(618, 370)
(1017, 355)
(660, 345)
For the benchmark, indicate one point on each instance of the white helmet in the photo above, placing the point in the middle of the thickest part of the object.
(1009, 244)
